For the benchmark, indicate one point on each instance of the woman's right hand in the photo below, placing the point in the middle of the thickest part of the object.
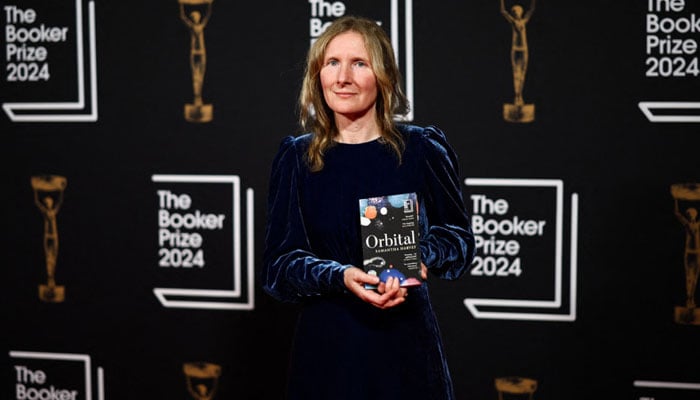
(391, 293)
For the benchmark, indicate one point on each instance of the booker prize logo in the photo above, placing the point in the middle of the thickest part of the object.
(517, 17)
(201, 235)
(64, 376)
(395, 16)
(686, 198)
(51, 71)
(48, 197)
(202, 379)
(671, 31)
(195, 14)
(518, 272)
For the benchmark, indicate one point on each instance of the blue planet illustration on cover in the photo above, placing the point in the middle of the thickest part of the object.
(391, 272)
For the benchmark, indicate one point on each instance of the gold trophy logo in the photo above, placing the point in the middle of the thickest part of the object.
(202, 379)
(195, 14)
(518, 111)
(48, 197)
(513, 387)
(688, 194)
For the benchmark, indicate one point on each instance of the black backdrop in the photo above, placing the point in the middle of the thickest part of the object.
(619, 265)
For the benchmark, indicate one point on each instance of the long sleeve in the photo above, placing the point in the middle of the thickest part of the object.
(290, 270)
(447, 247)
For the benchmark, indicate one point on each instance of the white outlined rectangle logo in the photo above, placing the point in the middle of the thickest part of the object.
(173, 195)
(52, 366)
(525, 309)
(84, 107)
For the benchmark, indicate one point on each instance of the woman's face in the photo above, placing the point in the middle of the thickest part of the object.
(348, 81)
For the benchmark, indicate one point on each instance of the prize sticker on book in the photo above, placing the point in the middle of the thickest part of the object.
(389, 228)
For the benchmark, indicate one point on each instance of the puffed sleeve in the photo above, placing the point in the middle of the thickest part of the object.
(290, 270)
(447, 249)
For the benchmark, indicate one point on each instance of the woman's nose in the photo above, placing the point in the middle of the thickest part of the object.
(344, 74)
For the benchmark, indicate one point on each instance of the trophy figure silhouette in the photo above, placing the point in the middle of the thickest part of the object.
(48, 197)
(196, 20)
(202, 379)
(518, 111)
(688, 194)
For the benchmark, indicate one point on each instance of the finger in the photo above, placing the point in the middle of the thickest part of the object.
(396, 292)
(393, 302)
(371, 279)
(354, 275)
(366, 279)
(389, 294)
(392, 286)
(373, 298)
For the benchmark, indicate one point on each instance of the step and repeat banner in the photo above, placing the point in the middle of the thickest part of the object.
(137, 144)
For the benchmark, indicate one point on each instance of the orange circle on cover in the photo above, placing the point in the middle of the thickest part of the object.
(371, 212)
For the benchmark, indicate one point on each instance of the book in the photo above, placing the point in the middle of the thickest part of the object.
(390, 234)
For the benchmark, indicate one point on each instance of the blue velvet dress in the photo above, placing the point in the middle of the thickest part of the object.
(343, 347)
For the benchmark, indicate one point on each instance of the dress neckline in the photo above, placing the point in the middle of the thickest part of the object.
(375, 140)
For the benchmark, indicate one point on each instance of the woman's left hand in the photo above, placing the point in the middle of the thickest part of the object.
(392, 292)
(387, 295)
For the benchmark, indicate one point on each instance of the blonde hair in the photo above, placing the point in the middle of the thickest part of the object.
(315, 116)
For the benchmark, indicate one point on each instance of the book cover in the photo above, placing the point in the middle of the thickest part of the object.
(389, 229)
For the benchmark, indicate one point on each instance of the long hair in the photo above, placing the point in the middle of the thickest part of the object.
(315, 116)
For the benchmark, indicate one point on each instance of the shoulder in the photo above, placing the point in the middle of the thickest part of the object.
(294, 144)
(429, 139)
(422, 133)
(290, 153)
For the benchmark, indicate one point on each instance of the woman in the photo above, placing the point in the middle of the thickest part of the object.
(352, 342)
